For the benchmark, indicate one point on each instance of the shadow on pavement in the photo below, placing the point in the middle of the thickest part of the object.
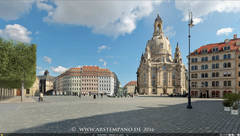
(205, 117)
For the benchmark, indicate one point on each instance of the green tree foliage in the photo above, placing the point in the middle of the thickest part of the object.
(17, 64)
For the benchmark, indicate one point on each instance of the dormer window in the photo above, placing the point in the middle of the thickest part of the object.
(204, 51)
(226, 48)
(215, 49)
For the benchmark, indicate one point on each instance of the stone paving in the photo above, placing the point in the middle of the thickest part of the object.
(66, 114)
(17, 99)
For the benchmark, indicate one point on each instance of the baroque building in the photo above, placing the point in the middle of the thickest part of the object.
(159, 73)
(215, 69)
(87, 80)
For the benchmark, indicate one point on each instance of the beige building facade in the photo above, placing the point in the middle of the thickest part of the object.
(130, 87)
(215, 69)
(86, 80)
(34, 90)
(159, 73)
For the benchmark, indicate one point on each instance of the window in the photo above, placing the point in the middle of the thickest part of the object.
(204, 59)
(226, 48)
(215, 74)
(215, 83)
(215, 66)
(194, 59)
(194, 67)
(215, 57)
(194, 84)
(27, 91)
(204, 67)
(227, 83)
(204, 51)
(215, 49)
(227, 56)
(204, 75)
(206, 84)
(227, 74)
(194, 75)
(227, 65)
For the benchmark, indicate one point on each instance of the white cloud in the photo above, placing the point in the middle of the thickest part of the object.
(41, 72)
(224, 31)
(169, 31)
(47, 59)
(203, 8)
(102, 47)
(39, 68)
(197, 20)
(13, 9)
(59, 69)
(36, 33)
(112, 18)
(16, 32)
(104, 62)
(43, 5)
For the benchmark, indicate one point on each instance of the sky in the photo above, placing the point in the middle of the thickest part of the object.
(111, 33)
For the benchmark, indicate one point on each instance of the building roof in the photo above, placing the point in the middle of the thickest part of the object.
(232, 43)
(87, 71)
(132, 83)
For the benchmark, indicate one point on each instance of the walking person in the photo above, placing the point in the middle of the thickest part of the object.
(79, 95)
(41, 97)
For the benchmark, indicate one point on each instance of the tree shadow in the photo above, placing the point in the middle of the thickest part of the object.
(205, 117)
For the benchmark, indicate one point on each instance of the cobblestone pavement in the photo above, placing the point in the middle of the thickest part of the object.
(160, 114)
(17, 99)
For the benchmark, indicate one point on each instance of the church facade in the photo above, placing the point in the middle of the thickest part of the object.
(158, 73)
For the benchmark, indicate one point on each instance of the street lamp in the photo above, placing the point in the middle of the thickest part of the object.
(190, 25)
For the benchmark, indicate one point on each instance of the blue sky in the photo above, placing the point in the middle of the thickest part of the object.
(111, 34)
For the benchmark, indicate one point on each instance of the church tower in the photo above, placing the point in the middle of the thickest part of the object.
(159, 74)
(157, 26)
(177, 55)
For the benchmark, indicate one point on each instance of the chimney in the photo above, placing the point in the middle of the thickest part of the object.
(235, 36)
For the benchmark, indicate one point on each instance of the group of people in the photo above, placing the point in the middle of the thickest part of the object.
(94, 95)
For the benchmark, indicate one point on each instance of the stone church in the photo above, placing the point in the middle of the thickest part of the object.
(158, 73)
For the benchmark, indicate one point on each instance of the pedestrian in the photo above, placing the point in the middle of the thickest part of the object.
(101, 95)
(94, 96)
(79, 95)
(41, 96)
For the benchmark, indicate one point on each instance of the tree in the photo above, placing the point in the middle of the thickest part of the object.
(17, 64)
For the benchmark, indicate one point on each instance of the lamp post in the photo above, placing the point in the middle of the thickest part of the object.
(190, 25)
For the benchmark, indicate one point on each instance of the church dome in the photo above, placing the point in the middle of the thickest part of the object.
(159, 46)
